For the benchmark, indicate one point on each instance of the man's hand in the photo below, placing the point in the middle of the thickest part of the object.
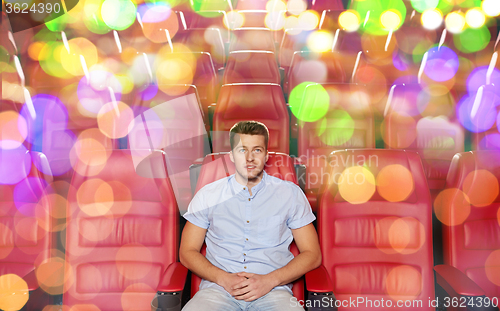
(254, 286)
(230, 281)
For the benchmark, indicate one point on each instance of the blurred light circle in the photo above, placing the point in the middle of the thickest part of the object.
(275, 20)
(484, 108)
(492, 267)
(234, 20)
(52, 275)
(94, 95)
(491, 7)
(134, 253)
(78, 47)
(14, 292)
(308, 20)
(394, 183)
(442, 63)
(100, 202)
(452, 207)
(118, 14)
(13, 130)
(155, 13)
(356, 184)
(309, 101)
(275, 5)
(455, 22)
(114, 119)
(158, 19)
(50, 60)
(391, 20)
(320, 41)
(349, 20)
(472, 39)
(481, 187)
(407, 275)
(34, 50)
(477, 78)
(15, 165)
(371, 12)
(337, 128)
(475, 18)
(296, 7)
(432, 19)
(423, 5)
(292, 22)
(399, 130)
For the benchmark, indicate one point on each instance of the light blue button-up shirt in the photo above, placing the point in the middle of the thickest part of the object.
(249, 233)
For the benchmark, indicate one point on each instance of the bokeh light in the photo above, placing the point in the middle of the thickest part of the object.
(275, 5)
(391, 20)
(455, 22)
(492, 267)
(491, 7)
(70, 60)
(349, 20)
(234, 20)
(309, 101)
(14, 292)
(308, 20)
(94, 95)
(175, 73)
(275, 20)
(114, 119)
(431, 19)
(356, 184)
(399, 130)
(157, 20)
(477, 112)
(320, 41)
(100, 203)
(14, 165)
(118, 14)
(296, 7)
(423, 5)
(13, 130)
(481, 187)
(394, 183)
(54, 275)
(475, 18)
(407, 275)
(442, 63)
(371, 12)
(452, 207)
(336, 129)
(472, 40)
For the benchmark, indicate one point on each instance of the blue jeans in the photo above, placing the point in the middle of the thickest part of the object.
(212, 299)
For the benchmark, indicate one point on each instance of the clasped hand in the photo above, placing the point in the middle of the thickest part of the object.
(248, 286)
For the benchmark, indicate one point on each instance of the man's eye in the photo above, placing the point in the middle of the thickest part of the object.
(258, 150)
(242, 150)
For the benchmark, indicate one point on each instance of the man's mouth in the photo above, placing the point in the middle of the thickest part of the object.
(250, 167)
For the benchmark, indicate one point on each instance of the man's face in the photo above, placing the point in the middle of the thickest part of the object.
(249, 156)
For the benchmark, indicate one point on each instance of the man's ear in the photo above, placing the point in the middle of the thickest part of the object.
(231, 156)
(267, 155)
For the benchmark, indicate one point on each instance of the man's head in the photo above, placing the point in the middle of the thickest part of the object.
(249, 149)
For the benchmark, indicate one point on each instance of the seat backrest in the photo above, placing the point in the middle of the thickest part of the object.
(218, 165)
(251, 67)
(252, 38)
(266, 104)
(207, 40)
(313, 67)
(122, 230)
(416, 120)
(374, 225)
(468, 208)
(26, 212)
(348, 122)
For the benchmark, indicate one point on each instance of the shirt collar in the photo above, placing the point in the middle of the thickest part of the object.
(237, 187)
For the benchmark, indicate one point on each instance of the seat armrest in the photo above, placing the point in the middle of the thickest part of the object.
(211, 112)
(318, 281)
(455, 282)
(173, 279)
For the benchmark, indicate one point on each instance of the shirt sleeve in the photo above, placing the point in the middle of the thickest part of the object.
(197, 212)
(301, 213)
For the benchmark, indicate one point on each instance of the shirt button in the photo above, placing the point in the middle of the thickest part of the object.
(244, 254)
(248, 199)
(245, 267)
(248, 221)
(244, 188)
(246, 239)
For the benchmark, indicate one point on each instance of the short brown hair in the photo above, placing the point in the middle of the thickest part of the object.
(248, 128)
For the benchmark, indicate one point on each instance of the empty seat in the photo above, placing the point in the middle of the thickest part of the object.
(347, 123)
(122, 232)
(374, 225)
(252, 38)
(218, 165)
(251, 67)
(315, 67)
(176, 126)
(468, 211)
(257, 101)
(415, 119)
(26, 224)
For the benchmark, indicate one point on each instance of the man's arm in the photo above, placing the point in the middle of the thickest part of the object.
(190, 256)
(309, 258)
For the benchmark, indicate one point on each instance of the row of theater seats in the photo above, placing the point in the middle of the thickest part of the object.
(121, 246)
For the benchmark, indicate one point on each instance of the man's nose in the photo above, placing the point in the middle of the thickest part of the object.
(250, 156)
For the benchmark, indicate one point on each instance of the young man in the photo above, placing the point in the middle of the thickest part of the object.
(248, 221)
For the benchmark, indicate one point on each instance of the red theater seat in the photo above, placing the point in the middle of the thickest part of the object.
(252, 38)
(415, 120)
(468, 210)
(256, 101)
(348, 123)
(218, 165)
(374, 225)
(251, 67)
(122, 233)
(26, 221)
(315, 67)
